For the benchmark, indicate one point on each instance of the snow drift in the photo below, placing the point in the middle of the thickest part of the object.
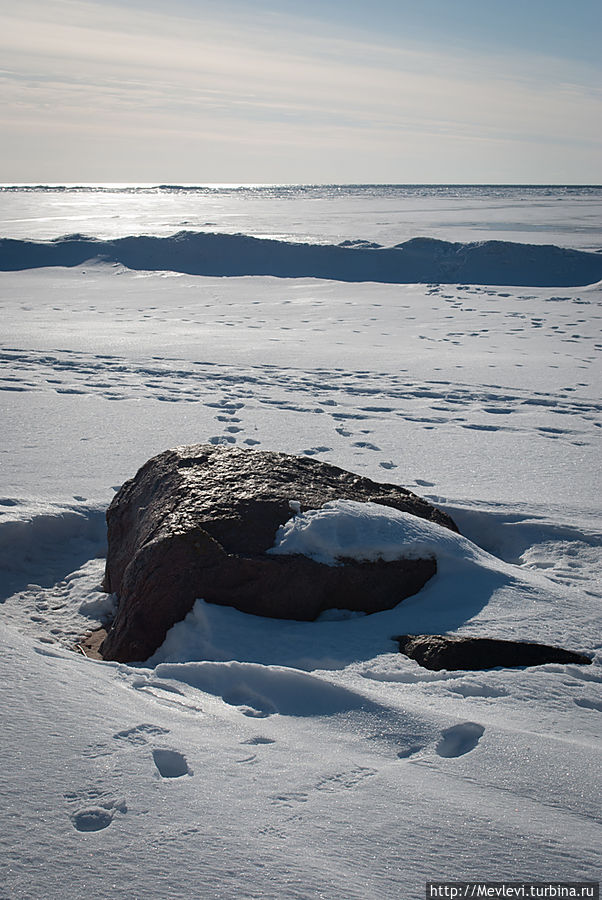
(420, 260)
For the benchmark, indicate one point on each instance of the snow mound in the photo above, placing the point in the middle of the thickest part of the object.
(346, 529)
(265, 690)
(419, 260)
(42, 540)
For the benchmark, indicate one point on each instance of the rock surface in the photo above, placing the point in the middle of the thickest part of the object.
(196, 522)
(437, 651)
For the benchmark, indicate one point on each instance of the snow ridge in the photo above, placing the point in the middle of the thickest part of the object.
(420, 260)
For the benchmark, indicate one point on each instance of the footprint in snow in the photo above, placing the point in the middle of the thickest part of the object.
(96, 811)
(410, 750)
(586, 703)
(365, 445)
(247, 760)
(289, 798)
(345, 780)
(171, 763)
(93, 818)
(476, 689)
(312, 451)
(139, 734)
(254, 713)
(459, 739)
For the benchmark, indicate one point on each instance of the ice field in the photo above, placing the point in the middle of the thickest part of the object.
(258, 758)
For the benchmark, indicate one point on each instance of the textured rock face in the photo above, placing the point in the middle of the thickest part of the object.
(436, 651)
(196, 522)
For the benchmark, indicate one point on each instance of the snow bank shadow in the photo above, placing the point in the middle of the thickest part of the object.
(513, 536)
(421, 259)
(260, 691)
(42, 543)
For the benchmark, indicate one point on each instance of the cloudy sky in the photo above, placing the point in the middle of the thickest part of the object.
(427, 91)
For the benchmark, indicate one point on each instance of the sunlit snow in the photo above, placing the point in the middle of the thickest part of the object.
(264, 758)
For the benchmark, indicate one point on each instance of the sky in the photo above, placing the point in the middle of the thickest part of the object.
(272, 91)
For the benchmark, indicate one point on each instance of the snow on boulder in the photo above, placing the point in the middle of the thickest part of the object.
(347, 529)
(202, 522)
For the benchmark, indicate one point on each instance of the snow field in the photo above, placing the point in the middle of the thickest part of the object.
(257, 758)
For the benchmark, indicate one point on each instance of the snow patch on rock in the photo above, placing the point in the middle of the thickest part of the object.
(347, 529)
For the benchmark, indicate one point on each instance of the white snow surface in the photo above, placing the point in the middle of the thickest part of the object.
(346, 529)
(262, 758)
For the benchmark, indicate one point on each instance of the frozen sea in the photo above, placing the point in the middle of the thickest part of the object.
(343, 769)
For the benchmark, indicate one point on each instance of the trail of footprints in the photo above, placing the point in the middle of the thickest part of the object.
(353, 400)
(96, 808)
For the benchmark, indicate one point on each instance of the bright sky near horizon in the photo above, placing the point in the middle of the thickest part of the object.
(429, 91)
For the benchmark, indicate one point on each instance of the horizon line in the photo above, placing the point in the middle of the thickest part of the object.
(313, 184)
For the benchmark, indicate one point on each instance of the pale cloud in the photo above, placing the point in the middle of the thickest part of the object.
(242, 92)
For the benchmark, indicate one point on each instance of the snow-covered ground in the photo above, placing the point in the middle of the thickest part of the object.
(259, 758)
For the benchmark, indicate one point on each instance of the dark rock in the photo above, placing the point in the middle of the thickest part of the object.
(437, 651)
(196, 522)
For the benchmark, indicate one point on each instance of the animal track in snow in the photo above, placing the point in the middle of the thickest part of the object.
(459, 739)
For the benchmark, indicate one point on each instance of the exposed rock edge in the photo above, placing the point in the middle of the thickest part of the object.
(438, 651)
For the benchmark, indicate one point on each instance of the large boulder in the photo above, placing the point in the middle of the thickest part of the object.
(452, 652)
(196, 522)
